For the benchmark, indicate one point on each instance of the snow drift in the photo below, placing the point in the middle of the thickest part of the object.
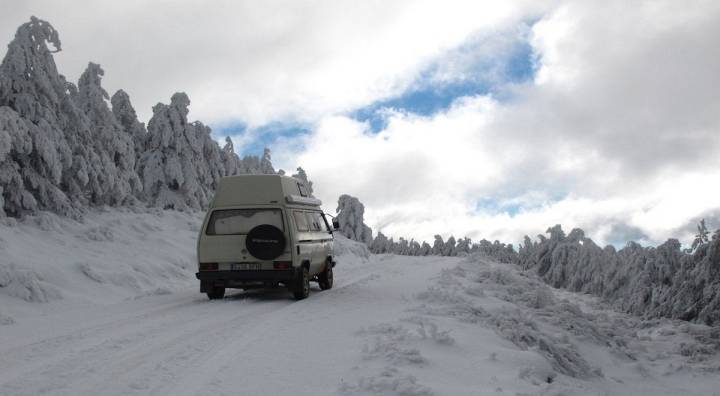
(110, 256)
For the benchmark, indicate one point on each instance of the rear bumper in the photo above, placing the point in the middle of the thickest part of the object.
(240, 278)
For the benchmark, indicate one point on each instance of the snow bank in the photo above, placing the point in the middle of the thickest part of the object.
(583, 343)
(108, 256)
(661, 281)
(457, 293)
(349, 251)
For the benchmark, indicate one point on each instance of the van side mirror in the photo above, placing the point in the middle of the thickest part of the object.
(336, 224)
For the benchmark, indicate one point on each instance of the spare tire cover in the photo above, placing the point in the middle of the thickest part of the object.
(265, 242)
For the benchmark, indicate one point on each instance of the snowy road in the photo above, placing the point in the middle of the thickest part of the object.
(391, 326)
(259, 342)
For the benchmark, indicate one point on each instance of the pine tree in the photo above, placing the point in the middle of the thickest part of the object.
(438, 246)
(302, 176)
(127, 117)
(701, 237)
(115, 147)
(46, 161)
(182, 164)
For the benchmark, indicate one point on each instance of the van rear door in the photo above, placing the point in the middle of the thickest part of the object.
(223, 239)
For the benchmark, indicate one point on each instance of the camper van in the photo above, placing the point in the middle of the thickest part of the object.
(264, 231)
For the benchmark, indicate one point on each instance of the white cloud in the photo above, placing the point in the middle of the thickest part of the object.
(619, 130)
(258, 62)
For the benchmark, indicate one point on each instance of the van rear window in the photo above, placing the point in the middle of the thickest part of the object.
(241, 221)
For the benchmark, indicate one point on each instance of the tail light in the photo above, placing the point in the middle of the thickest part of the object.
(282, 264)
(208, 266)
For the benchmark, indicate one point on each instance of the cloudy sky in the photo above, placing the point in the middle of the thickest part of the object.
(478, 118)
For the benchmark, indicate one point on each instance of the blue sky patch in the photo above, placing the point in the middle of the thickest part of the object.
(513, 206)
(255, 140)
(481, 66)
(479, 72)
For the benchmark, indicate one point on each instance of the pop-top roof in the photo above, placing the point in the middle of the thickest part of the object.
(261, 189)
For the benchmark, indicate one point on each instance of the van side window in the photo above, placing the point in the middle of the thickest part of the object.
(301, 221)
(317, 221)
(302, 190)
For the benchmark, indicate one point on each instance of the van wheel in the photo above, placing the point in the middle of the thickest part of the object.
(302, 287)
(325, 279)
(216, 293)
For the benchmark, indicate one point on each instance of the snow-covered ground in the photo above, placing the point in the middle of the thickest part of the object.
(110, 306)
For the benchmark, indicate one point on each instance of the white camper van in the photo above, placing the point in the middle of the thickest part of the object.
(264, 231)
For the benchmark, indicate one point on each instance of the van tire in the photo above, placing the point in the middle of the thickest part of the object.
(216, 293)
(325, 279)
(302, 284)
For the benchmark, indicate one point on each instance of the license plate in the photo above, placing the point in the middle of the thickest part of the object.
(245, 266)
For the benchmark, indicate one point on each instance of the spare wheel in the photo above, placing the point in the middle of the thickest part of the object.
(265, 242)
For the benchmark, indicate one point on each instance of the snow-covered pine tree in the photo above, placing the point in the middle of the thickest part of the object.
(266, 166)
(17, 156)
(379, 244)
(182, 164)
(402, 247)
(302, 176)
(351, 213)
(230, 160)
(438, 246)
(701, 237)
(53, 172)
(127, 117)
(414, 248)
(449, 247)
(425, 249)
(114, 146)
(463, 246)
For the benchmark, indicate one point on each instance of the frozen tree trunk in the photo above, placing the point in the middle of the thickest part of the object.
(351, 214)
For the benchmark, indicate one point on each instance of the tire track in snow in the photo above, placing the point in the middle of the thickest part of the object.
(159, 348)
